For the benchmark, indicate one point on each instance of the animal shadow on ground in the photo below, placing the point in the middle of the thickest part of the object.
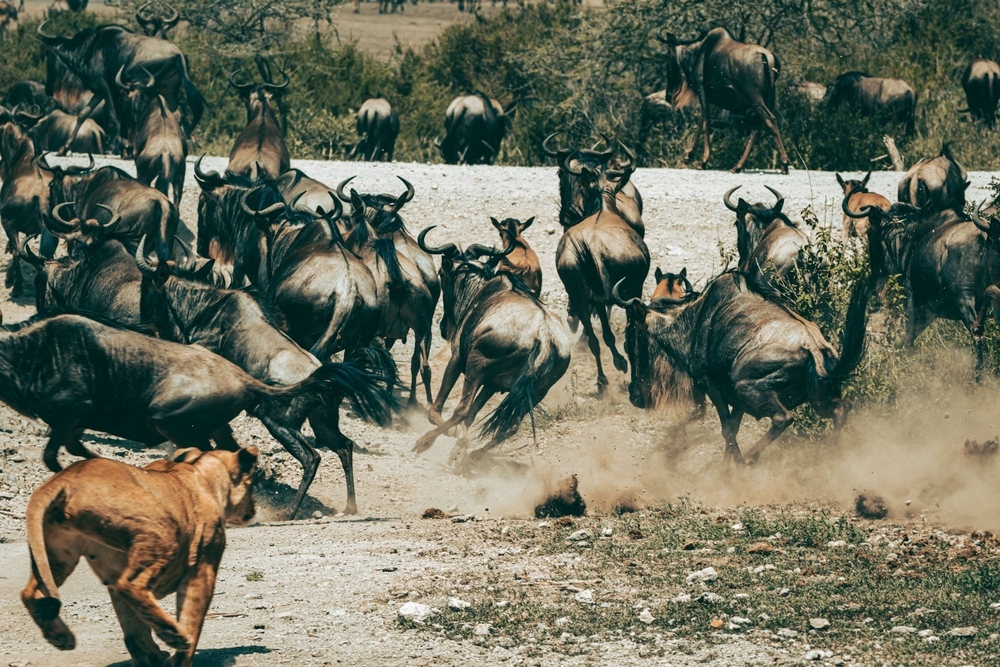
(273, 497)
(215, 657)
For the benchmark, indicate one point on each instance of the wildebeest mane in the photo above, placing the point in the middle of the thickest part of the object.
(49, 312)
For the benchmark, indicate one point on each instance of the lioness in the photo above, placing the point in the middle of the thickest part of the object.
(146, 533)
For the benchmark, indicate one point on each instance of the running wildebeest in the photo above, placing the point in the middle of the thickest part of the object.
(768, 242)
(378, 127)
(945, 260)
(859, 197)
(890, 99)
(981, 83)
(407, 296)
(503, 340)
(262, 141)
(232, 324)
(24, 197)
(77, 374)
(571, 189)
(475, 126)
(158, 141)
(731, 75)
(96, 55)
(748, 354)
(936, 183)
(598, 252)
(157, 25)
(53, 130)
(522, 260)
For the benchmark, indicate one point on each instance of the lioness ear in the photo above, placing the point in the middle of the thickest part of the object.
(187, 455)
(247, 458)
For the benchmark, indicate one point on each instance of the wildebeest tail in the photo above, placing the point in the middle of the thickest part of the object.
(379, 362)
(852, 349)
(194, 97)
(770, 76)
(385, 250)
(329, 385)
(45, 498)
(519, 401)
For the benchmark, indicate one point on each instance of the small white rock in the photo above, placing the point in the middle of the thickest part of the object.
(784, 591)
(903, 629)
(482, 630)
(817, 654)
(415, 611)
(607, 531)
(836, 544)
(819, 623)
(969, 631)
(580, 536)
(458, 604)
(683, 597)
(926, 633)
(736, 527)
(787, 633)
(739, 620)
(646, 617)
(708, 574)
(560, 622)
(585, 597)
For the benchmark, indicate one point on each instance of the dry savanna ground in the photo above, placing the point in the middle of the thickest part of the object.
(795, 574)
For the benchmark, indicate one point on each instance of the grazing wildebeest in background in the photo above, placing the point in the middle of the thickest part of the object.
(24, 197)
(981, 83)
(935, 183)
(76, 374)
(475, 126)
(100, 278)
(571, 188)
(858, 198)
(768, 242)
(157, 25)
(812, 91)
(53, 130)
(232, 324)
(407, 299)
(378, 127)
(96, 55)
(945, 261)
(598, 252)
(158, 141)
(28, 94)
(262, 141)
(503, 339)
(748, 354)
(890, 99)
(522, 260)
(731, 75)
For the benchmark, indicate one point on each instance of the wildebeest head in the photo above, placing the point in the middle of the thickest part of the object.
(77, 232)
(157, 25)
(259, 96)
(462, 274)
(379, 211)
(63, 178)
(934, 184)
(852, 186)
(510, 230)
(753, 219)
(653, 356)
(598, 181)
(671, 285)
(843, 89)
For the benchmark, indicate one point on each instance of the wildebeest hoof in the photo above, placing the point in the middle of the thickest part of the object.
(352, 508)
(16, 292)
(621, 364)
(423, 444)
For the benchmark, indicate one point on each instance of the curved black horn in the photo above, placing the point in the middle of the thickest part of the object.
(865, 212)
(145, 268)
(118, 79)
(47, 39)
(211, 180)
(333, 216)
(547, 149)
(239, 86)
(780, 198)
(275, 87)
(25, 252)
(565, 164)
(41, 161)
(261, 213)
(447, 249)
(171, 21)
(405, 197)
(61, 225)
(661, 38)
(621, 303)
(340, 190)
(139, 18)
(726, 198)
(115, 219)
(78, 170)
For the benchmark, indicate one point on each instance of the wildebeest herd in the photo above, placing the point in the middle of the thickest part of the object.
(141, 336)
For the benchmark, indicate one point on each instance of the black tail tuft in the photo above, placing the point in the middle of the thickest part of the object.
(369, 398)
(385, 250)
(853, 345)
(379, 362)
(519, 401)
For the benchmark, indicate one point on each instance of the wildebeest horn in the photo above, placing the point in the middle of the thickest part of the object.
(25, 252)
(332, 217)
(726, 198)
(211, 180)
(60, 223)
(77, 170)
(340, 190)
(447, 249)
(545, 146)
(621, 303)
(629, 166)
(171, 21)
(145, 268)
(565, 164)
(778, 196)
(139, 18)
(405, 197)
(974, 214)
(865, 212)
(115, 219)
(263, 213)
(47, 39)
(661, 38)
(239, 86)
(42, 162)
(275, 87)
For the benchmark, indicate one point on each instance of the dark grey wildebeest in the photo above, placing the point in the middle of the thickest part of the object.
(378, 127)
(935, 183)
(730, 75)
(748, 354)
(889, 99)
(503, 340)
(981, 83)
(475, 126)
(768, 242)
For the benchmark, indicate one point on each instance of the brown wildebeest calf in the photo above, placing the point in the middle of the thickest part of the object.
(858, 198)
(522, 260)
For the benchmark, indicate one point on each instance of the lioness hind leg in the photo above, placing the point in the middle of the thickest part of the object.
(193, 598)
(146, 560)
(138, 638)
(42, 604)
